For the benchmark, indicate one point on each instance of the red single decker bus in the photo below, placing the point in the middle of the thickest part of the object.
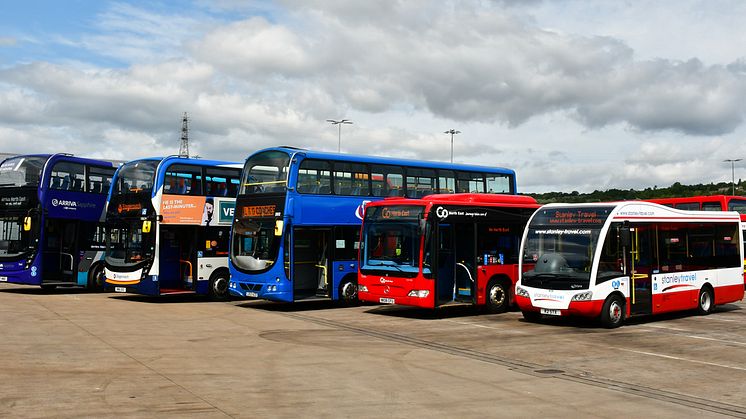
(443, 249)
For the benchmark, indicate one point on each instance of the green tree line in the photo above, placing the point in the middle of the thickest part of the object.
(675, 190)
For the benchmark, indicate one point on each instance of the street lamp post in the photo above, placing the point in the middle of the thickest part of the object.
(452, 132)
(732, 172)
(339, 124)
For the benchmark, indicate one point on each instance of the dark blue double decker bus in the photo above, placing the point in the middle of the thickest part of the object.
(51, 220)
(295, 234)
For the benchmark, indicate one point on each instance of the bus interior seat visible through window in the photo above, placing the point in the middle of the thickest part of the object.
(65, 183)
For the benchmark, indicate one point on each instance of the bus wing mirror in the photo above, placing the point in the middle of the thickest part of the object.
(625, 236)
(278, 227)
(27, 224)
(146, 226)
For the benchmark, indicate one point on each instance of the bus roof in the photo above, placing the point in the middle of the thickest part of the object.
(323, 155)
(642, 210)
(70, 157)
(197, 162)
(463, 199)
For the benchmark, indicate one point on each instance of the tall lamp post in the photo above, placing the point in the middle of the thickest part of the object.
(732, 172)
(452, 132)
(339, 123)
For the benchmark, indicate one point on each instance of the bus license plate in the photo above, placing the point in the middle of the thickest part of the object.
(120, 289)
(550, 312)
(252, 294)
(3, 279)
(386, 300)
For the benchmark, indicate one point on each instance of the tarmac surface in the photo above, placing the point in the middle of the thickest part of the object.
(70, 353)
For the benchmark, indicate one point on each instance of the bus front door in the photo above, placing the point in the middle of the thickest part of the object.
(446, 262)
(641, 260)
(311, 267)
(60, 256)
(466, 262)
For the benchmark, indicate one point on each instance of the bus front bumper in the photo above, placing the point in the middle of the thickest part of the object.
(590, 308)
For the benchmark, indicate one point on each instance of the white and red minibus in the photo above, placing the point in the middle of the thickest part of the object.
(615, 260)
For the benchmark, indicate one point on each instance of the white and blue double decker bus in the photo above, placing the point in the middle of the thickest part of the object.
(168, 222)
(296, 232)
(51, 229)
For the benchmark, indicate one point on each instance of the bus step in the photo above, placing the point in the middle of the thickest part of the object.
(312, 298)
(63, 283)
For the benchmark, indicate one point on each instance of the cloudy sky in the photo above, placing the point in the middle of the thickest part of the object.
(573, 95)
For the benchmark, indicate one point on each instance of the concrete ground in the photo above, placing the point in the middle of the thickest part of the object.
(71, 353)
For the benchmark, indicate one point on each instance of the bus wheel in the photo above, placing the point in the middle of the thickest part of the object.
(348, 291)
(96, 278)
(497, 297)
(531, 316)
(219, 285)
(706, 301)
(612, 314)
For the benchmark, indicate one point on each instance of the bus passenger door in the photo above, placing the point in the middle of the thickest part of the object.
(466, 262)
(446, 261)
(641, 262)
(69, 254)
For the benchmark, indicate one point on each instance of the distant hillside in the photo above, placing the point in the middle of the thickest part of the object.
(675, 190)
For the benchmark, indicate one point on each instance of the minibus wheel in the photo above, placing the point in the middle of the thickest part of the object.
(531, 316)
(612, 313)
(706, 301)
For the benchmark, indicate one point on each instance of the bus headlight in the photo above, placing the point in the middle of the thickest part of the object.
(362, 288)
(418, 293)
(272, 288)
(583, 296)
(519, 291)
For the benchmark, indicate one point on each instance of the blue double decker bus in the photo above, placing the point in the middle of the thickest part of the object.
(168, 221)
(296, 229)
(51, 229)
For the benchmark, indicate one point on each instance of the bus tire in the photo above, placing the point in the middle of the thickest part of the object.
(706, 301)
(498, 297)
(219, 285)
(531, 316)
(348, 291)
(612, 313)
(96, 278)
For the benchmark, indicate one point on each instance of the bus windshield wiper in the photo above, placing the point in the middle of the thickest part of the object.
(392, 265)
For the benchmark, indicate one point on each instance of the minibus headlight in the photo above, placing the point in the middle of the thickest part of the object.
(362, 288)
(418, 293)
(583, 296)
(519, 291)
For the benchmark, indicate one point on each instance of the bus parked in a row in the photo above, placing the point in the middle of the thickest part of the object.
(51, 209)
(298, 213)
(168, 222)
(443, 249)
(615, 260)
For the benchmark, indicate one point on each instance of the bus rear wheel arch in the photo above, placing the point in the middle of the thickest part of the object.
(219, 281)
(497, 298)
(348, 290)
(706, 300)
(613, 311)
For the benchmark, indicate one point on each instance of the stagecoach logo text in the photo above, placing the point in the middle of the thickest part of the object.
(129, 207)
(259, 211)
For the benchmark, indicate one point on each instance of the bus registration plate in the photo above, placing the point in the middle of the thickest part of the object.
(120, 289)
(252, 294)
(386, 300)
(550, 312)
